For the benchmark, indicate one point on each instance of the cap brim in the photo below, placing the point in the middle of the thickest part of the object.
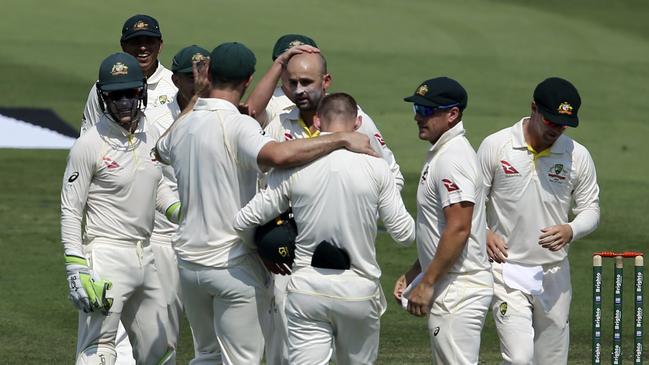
(121, 86)
(147, 33)
(418, 99)
(185, 70)
(567, 120)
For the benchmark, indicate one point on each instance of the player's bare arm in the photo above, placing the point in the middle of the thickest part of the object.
(260, 96)
(404, 280)
(300, 151)
(555, 237)
(496, 247)
(458, 227)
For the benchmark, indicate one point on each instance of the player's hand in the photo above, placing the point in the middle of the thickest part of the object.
(201, 77)
(496, 247)
(358, 142)
(555, 237)
(276, 268)
(303, 48)
(245, 109)
(87, 291)
(399, 286)
(420, 299)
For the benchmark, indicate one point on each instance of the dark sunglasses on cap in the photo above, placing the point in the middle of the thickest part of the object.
(127, 93)
(427, 111)
(553, 125)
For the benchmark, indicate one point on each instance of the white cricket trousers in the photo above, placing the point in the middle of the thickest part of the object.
(333, 308)
(165, 260)
(456, 318)
(138, 301)
(534, 329)
(277, 342)
(227, 306)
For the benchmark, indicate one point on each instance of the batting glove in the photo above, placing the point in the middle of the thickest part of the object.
(87, 290)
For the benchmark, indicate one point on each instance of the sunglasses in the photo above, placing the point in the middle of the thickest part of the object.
(127, 93)
(427, 111)
(552, 124)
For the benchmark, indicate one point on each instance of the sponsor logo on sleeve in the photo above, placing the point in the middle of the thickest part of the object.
(379, 138)
(73, 177)
(508, 169)
(450, 185)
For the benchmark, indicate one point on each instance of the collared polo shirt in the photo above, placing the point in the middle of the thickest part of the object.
(450, 175)
(111, 175)
(213, 152)
(529, 190)
(335, 198)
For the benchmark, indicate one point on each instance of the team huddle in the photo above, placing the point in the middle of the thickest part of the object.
(257, 218)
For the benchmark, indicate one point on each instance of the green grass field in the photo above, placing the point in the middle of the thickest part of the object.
(378, 51)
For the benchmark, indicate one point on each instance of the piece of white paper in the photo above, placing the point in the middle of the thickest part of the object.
(409, 289)
(528, 279)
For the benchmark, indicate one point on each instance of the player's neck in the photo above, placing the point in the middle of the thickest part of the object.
(307, 117)
(231, 95)
(534, 141)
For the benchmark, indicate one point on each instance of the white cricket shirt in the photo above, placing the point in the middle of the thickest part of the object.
(527, 192)
(162, 117)
(288, 125)
(450, 176)
(335, 198)
(112, 175)
(159, 87)
(213, 152)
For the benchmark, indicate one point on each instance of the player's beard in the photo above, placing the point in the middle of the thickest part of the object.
(124, 112)
(308, 102)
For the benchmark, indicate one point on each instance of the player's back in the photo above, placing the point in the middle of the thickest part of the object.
(215, 179)
(336, 198)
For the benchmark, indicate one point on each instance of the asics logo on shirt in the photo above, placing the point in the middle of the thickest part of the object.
(449, 185)
(508, 169)
(288, 136)
(110, 163)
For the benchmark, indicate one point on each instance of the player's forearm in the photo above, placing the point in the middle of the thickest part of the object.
(300, 151)
(450, 247)
(260, 96)
(71, 233)
(585, 222)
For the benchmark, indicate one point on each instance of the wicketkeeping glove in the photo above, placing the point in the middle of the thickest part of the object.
(87, 290)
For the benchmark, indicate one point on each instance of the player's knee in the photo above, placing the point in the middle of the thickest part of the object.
(97, 355)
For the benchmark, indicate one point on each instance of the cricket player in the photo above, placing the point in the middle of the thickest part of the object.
(162, 117)
(336, 199)
(535, 176)
(111, 176)
(142, 39)
(455, 289)
(216, 153)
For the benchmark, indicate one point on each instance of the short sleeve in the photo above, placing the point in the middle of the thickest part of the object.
(454, 180)
(250, 138)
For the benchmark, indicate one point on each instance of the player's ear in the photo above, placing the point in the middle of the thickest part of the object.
(316, 122)
(249, 80)
(453, 115)
(358, 122)
(174, 79)
(326, 81)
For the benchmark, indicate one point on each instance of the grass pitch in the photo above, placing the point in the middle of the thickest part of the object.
(378, 51)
